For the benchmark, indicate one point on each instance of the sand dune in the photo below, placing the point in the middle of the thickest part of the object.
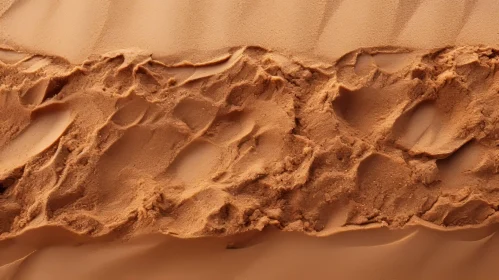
(330, 28)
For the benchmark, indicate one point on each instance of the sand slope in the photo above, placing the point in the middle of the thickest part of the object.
(330, 28)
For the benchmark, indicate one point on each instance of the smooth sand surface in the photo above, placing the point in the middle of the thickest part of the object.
(377, 254)
(78, 28)
(269, 131)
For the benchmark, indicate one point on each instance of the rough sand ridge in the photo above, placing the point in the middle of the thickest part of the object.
(125, 144)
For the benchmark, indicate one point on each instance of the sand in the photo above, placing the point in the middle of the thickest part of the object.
(416, 253)
(326, 28)
(288, 144)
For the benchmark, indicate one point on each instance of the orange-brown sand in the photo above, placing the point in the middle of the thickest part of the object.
(327, 28)
(124, 145)
(410, 254)
(140, 120)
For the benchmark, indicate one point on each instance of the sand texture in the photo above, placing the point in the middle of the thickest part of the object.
(411, 254)
(249, 139)
(124, 144)
(76, 29)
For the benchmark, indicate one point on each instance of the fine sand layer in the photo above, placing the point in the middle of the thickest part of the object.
(327, 28)
(378, 254)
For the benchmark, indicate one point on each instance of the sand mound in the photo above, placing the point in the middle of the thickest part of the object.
(124, 144)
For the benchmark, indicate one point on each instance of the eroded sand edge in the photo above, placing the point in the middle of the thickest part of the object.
(132, 145)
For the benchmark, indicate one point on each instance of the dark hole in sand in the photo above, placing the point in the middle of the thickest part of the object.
(5, 184)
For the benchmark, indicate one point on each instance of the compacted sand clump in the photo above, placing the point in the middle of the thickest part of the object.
(125, 144)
